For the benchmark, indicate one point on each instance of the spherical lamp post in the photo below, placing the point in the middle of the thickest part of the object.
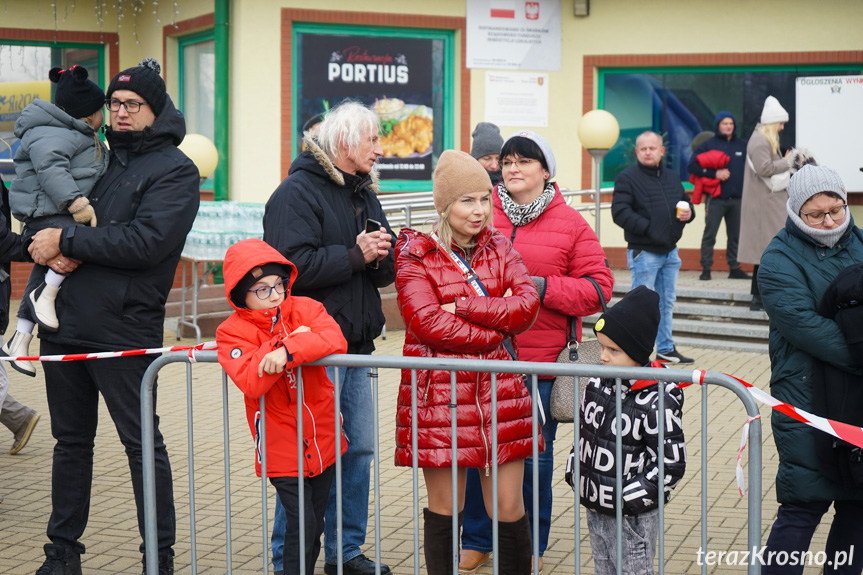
(202, 152)
(598, 131)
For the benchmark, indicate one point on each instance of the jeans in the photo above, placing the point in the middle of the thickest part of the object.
(638, 542)
(476, 529)
(359, 427)
(73, 390)
(792, 532)
(659, 273)
(716, 209)
(315, 495)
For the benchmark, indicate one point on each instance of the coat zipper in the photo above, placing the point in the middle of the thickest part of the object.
(482, 424)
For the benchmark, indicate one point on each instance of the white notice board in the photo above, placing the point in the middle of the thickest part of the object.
(829, 123)
(516, 99)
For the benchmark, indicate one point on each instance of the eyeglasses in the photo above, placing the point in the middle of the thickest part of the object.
(264, 292)
(131, 106)
(837, 214)
(522, 163)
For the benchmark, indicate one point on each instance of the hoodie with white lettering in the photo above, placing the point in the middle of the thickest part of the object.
(639, 420)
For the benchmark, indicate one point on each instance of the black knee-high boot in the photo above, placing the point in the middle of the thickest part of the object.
(514, 546)
(437, 542)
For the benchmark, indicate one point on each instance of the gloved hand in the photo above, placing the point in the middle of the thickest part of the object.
(83, 212)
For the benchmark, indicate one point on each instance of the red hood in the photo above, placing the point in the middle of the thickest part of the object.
(247, 254)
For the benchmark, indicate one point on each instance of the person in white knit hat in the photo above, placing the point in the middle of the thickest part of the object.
(762, 210)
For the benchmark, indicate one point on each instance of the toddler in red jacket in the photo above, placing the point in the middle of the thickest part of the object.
(262, 347)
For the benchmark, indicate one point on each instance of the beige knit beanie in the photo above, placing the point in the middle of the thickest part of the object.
(457, 173)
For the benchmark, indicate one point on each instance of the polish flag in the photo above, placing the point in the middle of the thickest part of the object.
(503, 9)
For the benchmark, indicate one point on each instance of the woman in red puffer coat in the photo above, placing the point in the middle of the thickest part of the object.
(447, 318)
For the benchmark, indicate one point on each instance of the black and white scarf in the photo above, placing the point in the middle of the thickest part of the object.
(523, 214)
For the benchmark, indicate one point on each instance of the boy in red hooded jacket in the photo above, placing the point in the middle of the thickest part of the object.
(261, 346)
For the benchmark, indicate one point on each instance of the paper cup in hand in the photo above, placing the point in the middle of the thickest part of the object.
(682, 207)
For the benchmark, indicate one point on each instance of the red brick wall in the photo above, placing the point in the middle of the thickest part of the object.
(291, 15)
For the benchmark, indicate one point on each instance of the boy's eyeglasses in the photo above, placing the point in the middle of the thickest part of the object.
(264, 292)
(837, 214)
(131, 106)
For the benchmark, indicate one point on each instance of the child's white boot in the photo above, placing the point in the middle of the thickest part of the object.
(43, 299)
(19, 346)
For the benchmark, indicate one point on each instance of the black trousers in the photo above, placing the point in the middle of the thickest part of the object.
(717, 209)
(73, 390)
(315, 496)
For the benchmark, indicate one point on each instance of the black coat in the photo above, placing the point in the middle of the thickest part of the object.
(645, 206)
(313, 218)
(11, 250)
(145, 204)
(838, 394)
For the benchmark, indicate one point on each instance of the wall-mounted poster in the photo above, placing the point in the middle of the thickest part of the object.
(393, 75)
(513, 34)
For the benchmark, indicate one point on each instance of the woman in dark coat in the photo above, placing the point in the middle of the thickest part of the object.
(446, 317)
(819, 241)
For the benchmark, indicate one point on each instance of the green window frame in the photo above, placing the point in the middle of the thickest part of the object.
(623, 153)
(445, 88)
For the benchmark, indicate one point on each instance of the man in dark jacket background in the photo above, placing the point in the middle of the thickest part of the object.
(645, 205)
(727, 204)
(319, 218)
(145, 204)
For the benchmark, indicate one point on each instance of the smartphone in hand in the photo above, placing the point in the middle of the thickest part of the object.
(373, 226)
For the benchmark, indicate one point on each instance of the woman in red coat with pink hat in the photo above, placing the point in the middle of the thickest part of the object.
(447, 317)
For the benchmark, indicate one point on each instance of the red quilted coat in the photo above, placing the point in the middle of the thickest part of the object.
(425, 279)
(561, 247)
(247, 335)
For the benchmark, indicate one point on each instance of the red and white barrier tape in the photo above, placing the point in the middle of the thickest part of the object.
(207, 345)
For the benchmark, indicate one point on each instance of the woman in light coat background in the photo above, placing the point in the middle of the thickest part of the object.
(763, 211)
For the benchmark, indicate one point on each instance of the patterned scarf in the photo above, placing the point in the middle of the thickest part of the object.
(523, 214)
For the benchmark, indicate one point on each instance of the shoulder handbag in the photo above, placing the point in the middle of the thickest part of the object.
(563, 391)
(776, 182)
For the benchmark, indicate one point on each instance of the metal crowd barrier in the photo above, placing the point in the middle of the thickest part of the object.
(532, 370)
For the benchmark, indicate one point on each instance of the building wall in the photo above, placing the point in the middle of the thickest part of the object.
(614, 27)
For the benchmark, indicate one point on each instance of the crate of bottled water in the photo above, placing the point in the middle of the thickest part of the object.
(219, 225)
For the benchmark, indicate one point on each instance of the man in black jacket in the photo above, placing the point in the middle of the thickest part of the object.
(145, 204)
(321, 218)
(727, 203)
(651, 206)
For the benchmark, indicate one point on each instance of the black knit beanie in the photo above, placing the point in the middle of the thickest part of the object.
(144, 80)
(76, 94)
(238, 294)
(632, 323)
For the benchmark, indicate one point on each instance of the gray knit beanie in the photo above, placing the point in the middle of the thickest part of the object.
(807, 182)
(486, 140)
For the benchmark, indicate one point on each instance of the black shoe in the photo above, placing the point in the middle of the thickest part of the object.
(60, 560)
(755, 304)
(738, 274)
(705, 275)
(166, 565)
(673, 356)
(359, 565)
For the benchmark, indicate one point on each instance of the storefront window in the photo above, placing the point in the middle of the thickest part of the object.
(406, 76)
(198, 85)
(681, 103)
(24, 77)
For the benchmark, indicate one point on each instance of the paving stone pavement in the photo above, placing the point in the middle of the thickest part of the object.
(112, 537)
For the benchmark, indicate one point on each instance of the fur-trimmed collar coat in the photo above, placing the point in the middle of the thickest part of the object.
(313, 218)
